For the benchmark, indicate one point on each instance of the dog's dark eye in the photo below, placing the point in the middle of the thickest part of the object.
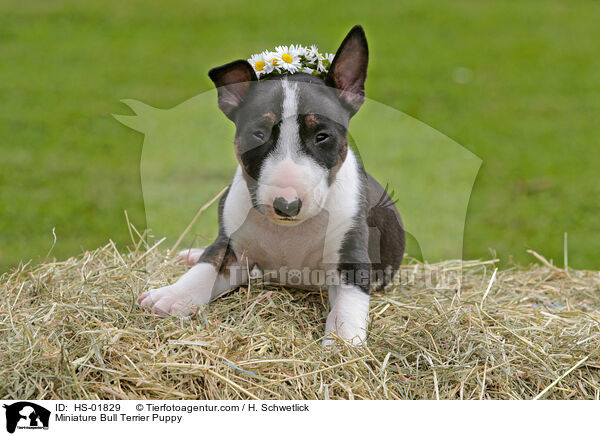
(321, 137)
(259, 135)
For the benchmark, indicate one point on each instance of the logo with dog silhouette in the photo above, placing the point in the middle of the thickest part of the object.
(26, 415)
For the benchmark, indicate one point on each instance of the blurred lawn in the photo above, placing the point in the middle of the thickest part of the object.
(528, 104)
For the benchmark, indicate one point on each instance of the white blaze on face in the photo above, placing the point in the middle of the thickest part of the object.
(289, 136)
(289, 173)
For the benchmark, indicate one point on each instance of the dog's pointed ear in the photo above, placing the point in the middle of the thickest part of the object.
(233, 80)
(348, 70)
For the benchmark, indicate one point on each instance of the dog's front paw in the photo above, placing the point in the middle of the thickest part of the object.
(348, 316)
(168, 300)
(192, 290)
(356, 340)
(352, 333)
(191, 256)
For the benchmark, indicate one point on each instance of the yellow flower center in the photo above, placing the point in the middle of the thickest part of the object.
(287, 58)
(259, 65)
(274, 61)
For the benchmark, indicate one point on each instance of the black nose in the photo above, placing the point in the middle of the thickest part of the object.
(285, 209)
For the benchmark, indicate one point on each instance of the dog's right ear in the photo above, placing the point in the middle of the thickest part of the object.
(233, 80)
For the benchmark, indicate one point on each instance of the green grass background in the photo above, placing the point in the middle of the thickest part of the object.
(531, 110)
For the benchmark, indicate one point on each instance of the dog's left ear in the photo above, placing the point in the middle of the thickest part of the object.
(348, 70)
(233, 80)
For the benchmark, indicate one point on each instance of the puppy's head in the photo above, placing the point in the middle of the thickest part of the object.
(291, 131)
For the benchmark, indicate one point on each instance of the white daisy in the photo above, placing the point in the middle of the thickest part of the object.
(259, 63)
(318, 59)
(273, 61)
(268, 58)
(312, 54)
(320, 66)
(288, 58)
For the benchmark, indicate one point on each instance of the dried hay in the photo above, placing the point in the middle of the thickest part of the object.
(74, 330)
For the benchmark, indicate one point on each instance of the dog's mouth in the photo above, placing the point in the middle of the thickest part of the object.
(284, 221)
(270, 214)
(287, 221)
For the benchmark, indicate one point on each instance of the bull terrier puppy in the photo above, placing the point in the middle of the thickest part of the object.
(301, 206)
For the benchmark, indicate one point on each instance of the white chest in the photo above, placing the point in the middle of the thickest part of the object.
(272, 246)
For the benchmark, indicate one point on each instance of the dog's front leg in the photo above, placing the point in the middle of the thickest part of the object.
(202, 283)
(348, 316)
(349, 297)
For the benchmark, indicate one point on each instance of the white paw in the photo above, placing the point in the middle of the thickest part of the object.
(190, 255)
(192, 290)
(255, 272)
(351, 330)
(168, 300)
(348, 317)
(355, 338)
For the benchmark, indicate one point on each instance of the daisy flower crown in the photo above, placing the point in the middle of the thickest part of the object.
(291, 59)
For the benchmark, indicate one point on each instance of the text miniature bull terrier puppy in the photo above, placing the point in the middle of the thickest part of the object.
(301, 208)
